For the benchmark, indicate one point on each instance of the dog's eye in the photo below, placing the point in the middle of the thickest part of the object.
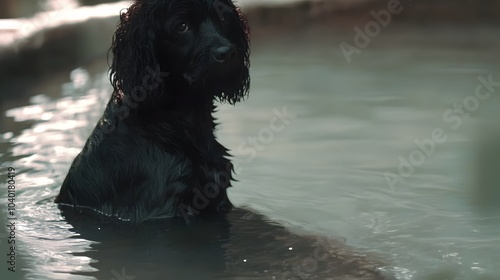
(181, 28)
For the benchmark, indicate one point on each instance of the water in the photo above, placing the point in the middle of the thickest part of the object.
(320, 172)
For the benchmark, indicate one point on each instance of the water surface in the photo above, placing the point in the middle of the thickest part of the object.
(321, 171)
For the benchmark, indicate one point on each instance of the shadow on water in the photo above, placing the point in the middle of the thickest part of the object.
(486, 186)
(239, 245)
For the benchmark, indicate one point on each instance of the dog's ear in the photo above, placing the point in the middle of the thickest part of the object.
(244, 25)
(134, 72)
(245, 80)
(239, 91)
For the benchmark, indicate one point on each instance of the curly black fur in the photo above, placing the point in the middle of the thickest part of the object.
(153, 154)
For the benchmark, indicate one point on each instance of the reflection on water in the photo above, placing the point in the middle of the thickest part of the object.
(320, 174)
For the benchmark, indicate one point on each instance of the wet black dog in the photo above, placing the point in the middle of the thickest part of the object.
(153, 154)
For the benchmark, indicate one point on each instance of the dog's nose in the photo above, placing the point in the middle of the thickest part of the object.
(222, 54)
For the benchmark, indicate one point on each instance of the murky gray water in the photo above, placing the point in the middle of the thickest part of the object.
(329, 169)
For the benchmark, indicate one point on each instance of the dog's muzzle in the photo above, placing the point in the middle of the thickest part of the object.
(224, 54)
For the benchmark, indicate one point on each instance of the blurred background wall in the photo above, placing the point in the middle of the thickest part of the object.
(470, 9)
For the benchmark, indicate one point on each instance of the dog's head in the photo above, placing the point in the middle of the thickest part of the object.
(195, 46)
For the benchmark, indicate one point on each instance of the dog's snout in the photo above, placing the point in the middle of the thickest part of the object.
(223, 54)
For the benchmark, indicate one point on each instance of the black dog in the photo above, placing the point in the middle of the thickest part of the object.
(153, 154)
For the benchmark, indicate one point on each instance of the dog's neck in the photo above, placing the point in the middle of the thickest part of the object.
(182, 118)
(179, 115)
